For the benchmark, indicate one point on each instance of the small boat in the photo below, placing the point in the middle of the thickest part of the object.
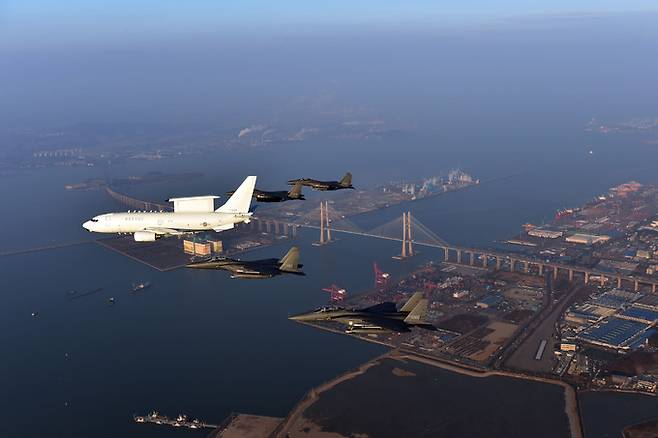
(140, 286)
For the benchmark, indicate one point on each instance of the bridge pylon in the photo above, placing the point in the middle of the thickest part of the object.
(325, 224)
(407, 240)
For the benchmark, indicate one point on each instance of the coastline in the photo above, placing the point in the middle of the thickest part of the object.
(571, 406)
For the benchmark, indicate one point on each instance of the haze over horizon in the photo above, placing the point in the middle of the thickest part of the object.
(495, 160)
(164, 62)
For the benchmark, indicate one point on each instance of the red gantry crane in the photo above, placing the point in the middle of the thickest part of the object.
(337, 294)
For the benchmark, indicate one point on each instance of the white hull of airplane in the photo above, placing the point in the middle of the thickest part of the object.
(190, 215)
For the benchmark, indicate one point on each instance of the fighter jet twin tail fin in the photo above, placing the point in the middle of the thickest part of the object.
(411, 302)
(416, 307)
(290, 261)
(346, 181)
(296, 191)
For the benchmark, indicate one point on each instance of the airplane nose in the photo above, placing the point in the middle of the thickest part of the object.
(87, 225)
(300, 317)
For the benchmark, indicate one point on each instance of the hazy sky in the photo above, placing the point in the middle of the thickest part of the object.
(54, 22)
(432, 63)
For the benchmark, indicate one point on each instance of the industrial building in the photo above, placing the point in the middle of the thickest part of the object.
(196, 245)
(587, 239)
(640, 314)
(617, 334)
(587, 313)
(545, 234)
(489, 300)
(648, 302)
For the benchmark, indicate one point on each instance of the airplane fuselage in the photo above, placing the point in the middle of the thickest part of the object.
(276, 196)
(262, 196)
(131, 222)
(266, 268)
(361, 320)
(345, 315)
(320, 185)
(191, 213)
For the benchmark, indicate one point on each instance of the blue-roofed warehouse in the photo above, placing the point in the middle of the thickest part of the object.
(640, 314)
(615, 333)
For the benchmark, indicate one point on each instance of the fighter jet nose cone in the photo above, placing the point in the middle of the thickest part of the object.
(302, 317)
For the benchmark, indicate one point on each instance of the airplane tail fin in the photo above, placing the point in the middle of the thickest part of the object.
(346, 181)
(418, 315)
(296, 191)
(240, 200)
(290, 261)
(411, 302)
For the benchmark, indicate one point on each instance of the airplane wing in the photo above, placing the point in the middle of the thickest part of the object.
(224, 227)
(394, 325)
(386, 307)
(165, 231)
(244, 271)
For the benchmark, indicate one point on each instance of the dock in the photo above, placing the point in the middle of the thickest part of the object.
(180, 421)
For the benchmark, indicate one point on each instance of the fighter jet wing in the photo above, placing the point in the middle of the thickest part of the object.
(386, 307)
(245, 271)
(394, 325)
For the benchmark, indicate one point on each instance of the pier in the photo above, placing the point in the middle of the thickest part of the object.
(180, 421)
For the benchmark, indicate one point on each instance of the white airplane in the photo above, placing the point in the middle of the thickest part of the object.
(190, 214)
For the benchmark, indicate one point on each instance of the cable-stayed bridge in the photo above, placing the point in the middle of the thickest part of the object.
(406, 229)
(410, 231)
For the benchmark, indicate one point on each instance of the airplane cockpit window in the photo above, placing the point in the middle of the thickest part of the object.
(326, 309)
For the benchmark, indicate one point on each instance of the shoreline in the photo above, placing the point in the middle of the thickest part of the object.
(571, 406)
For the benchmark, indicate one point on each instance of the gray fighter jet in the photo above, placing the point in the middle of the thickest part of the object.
(278, 196)
(266, 268)
(378, 318)
(344, 183)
